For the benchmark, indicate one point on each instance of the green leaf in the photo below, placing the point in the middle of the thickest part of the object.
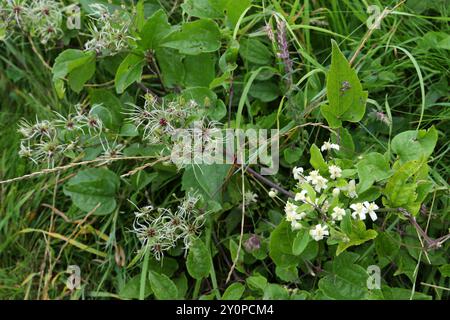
(331, 118)
(317, 160)
(198, 260)
(131, 289)
(109, 108)
(357, 236)
(195, 37)
(155, 29)
(162, 286)
(280, 245)
(387, 244)
(202, 9)
(356, 112)
(347, 101)
(167, 266)
(445, 270)
(79, 76)
(182, 285)
(217, 111)
(347, 281)
(414, 145)
(265, 91)
(275, 292)
(172, 67)
(292, 155)
(287, 273)
(234, 291)
(91, 187)
(400, 190)
(77, 65)
(300, 242)
(200, 70)
(129, 130)
(256, 283)
(208, 179)
(205, 97)
(129, 71)
(234, 9)
(373, 167)
(139, 18)
(69, 60)
(405, 265)
(255, 51)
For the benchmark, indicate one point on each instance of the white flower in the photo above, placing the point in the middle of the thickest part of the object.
(359, 210)
(335, 172)
(317, 180)
(273, 193)
(313, 176)
(301, 196)
(336, 192)
(298, 173)
(321, 183)
(291, 213)
(371, 207)
(338, 213)
(328, 146)
(319, 232)
(351, 189)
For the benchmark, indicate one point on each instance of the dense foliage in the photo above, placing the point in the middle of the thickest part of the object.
(97, 101)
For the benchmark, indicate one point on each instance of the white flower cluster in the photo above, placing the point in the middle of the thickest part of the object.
(161, 229)
(180, 126)
(47, 141)
(324, 199)
(160, 119)
(110, 32)
(39, 18)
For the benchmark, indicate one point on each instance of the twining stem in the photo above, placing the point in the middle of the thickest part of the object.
(430, 243)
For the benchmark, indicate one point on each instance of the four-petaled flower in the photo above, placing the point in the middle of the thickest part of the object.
(359, 211)
(319, 232)
(370, 208)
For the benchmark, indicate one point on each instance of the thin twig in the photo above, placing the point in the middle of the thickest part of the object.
(271, 184)
(430, 243)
